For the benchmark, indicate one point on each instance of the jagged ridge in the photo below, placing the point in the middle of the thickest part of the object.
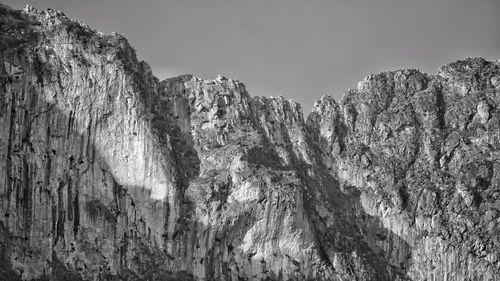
(108, 173)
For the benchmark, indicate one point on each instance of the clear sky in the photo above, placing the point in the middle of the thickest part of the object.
(299, 49)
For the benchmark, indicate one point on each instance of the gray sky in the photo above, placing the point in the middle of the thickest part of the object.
(299, 49)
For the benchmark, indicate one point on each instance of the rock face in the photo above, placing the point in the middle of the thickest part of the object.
(107, 173)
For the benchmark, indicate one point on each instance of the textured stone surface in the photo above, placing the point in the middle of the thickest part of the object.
(423, 151)
(107, 173)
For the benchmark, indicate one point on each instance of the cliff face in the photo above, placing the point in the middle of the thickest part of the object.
(423, 152)
(107, 173)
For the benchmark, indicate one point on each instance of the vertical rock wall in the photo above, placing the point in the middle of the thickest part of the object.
(107, 173)
(87, 179)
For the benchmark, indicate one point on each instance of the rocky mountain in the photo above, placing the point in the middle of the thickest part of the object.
(107, 173)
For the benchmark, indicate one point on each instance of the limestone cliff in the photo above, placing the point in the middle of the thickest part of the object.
(107, 173)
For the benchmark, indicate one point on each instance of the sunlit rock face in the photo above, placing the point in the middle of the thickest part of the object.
(423, 151)
(107, 173)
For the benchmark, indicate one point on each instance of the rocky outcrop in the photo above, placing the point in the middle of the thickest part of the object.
(423, 151)
(107, 173)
